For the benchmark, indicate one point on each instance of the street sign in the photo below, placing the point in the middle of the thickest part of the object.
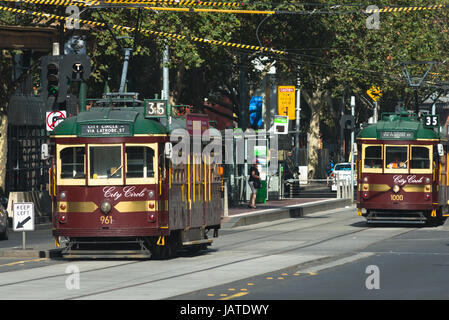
(375, 93)
(287, 101)
(23, 216)
(53, 118)
(281, 124)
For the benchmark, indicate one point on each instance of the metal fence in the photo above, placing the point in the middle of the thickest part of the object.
(237, 191)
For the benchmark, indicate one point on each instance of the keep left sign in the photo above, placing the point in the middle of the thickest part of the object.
(23, 216)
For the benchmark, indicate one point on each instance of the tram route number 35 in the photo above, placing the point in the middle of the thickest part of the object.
(431, 120)
(155, 108)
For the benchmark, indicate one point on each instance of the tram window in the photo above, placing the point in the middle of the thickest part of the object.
(139, 162)
(72, 163)
(396, 157)
(373, 157)
(420, 158)
(105, 162)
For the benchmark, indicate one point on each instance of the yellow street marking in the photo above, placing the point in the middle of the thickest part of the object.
(240, 294)
(270, 278)
(22, 262)
(280, 278)
(223, 294)
(284, 274)
(312, 273)
(244, 289)
(250, 283)
(231, 289)
(296, 274)
(211, 295)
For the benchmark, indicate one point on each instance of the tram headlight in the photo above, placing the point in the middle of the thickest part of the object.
(395, 188)
(105, 207)
(63, 195)
(427, 180)
(151, 194)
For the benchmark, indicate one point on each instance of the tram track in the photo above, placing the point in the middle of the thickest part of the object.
(286, 251)
(227, 247)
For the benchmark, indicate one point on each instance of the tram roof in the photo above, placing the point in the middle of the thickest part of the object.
(398, 127)
(127, 120)
(124, 121)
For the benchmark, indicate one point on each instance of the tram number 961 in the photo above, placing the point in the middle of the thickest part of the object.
(106, 220)
(397, 197)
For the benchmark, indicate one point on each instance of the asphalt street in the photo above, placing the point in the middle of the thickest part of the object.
(327, 255)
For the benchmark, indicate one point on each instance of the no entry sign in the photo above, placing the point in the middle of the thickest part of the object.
(54, 118)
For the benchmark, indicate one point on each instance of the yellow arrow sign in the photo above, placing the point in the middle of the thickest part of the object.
(375, 93)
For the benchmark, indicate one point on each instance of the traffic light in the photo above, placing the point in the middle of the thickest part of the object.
(76, 67)
(347, 122)
(53, 81)
(255, 112)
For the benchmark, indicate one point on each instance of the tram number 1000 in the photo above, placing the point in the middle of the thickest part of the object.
(397, 197)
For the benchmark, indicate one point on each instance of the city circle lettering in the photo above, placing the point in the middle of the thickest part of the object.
(126, 192)
(400, 180)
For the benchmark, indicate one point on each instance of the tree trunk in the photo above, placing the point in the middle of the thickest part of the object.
(315, 101)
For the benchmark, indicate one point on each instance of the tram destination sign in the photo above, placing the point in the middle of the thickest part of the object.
(105, 129)
(397, 135)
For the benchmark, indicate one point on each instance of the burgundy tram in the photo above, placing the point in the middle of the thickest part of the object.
(402, 170)
(115, 192)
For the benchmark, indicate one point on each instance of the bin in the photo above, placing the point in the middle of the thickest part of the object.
(261, 195)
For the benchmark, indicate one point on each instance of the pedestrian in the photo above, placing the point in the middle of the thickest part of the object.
(254, 183)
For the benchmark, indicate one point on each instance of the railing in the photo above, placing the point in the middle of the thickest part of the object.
(289, 188)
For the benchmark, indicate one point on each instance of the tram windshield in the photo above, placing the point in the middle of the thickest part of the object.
(373, 157)
(72, 163)
(105, 162)
(420, 157)
(139, 162)
(396, 157)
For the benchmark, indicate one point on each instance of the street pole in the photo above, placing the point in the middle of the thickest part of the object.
(375, 112)
(352, 147)
(298, 111)
(166, 84)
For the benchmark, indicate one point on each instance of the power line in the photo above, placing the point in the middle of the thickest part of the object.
(148, 32)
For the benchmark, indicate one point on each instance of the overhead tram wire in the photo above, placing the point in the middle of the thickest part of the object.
(150, 32)
(145, 3)
(126, 3)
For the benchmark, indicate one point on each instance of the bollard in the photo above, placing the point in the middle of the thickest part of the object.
(347, 189)
(225, 198)
(338, 187)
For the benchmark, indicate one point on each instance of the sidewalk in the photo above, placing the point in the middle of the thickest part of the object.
(279, 209)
